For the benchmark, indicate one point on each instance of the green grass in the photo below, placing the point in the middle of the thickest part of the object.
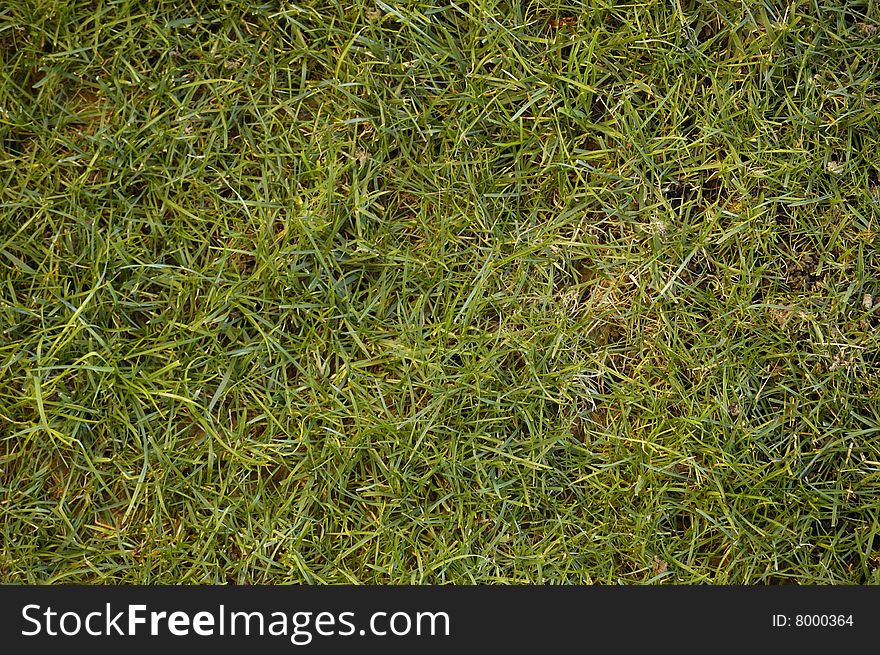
(489, 292)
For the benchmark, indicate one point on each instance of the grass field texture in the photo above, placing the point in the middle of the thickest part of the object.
(465, 292)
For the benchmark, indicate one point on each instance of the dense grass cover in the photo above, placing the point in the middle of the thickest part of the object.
(402, 292)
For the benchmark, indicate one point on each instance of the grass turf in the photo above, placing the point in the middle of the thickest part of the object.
(411, 293)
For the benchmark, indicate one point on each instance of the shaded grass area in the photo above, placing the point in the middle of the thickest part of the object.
(403, 293)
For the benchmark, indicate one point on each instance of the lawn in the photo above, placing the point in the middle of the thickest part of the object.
(467, 292)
